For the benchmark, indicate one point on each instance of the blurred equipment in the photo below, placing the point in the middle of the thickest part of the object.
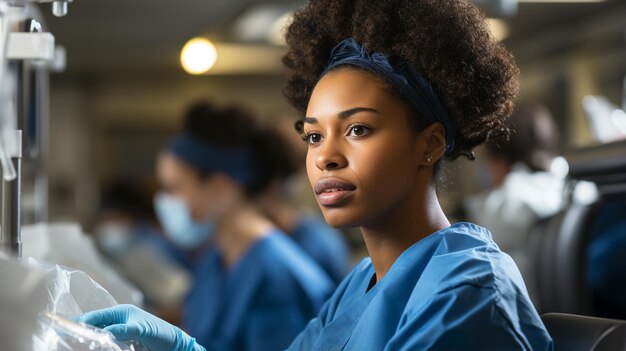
(580, 333)
(607, 121)
(27, 53)
(30, 287)
(578, 254)
(557, 255)
(624, 95)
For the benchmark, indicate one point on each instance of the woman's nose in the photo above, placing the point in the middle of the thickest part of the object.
(330, 155)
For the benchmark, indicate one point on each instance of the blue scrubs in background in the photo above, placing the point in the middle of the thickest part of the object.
(261, 303)
(325, 245)
(453, 290)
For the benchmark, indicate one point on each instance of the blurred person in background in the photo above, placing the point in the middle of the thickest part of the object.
(253, 287)
(522, 187)
(127, 233)
(326, 245)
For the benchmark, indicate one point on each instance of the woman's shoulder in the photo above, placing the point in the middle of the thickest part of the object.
(477, 287)
(467, 254)
(467, 265)
(465, 235)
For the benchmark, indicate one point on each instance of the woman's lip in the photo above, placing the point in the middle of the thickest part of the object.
(333, 198)
(332, 185)
(332, 191)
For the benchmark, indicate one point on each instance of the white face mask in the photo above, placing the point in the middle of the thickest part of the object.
(114, 238)
(179, 226)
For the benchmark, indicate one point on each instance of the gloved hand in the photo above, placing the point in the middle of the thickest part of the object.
(127, 322)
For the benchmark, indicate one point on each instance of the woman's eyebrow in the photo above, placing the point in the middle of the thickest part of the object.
(344, 114)
(347, 113)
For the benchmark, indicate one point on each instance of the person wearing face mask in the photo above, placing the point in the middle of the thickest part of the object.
(253, 287)
(126, 232)
(124, 216)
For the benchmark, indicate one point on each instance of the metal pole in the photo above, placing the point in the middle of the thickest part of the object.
(41, 173)
(11, 203)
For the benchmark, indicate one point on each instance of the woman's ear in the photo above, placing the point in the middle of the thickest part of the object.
(219, 184)
(435, 138)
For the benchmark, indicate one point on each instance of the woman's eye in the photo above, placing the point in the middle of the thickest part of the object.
(358, 131)
(312, 138)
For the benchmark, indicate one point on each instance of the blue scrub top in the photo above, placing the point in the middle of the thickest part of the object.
(325, 245)
(453, 290)
(261, 303)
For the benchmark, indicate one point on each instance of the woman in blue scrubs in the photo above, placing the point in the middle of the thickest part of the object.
(388, 90)
(248, 276)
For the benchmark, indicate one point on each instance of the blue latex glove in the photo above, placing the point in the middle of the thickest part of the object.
(127, 322)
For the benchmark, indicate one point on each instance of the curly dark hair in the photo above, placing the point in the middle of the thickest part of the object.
(234, 127)
(448, 42)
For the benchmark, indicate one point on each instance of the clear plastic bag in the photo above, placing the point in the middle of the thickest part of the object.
(35, 299)
(66, 335)
(71, 293)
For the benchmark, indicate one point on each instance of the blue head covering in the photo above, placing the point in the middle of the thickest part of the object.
(410, 84)
(236, 163)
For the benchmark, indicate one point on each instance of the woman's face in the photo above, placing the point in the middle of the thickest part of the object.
(184, 182)
(362, 158)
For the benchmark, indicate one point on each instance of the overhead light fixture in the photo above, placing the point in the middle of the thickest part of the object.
(198, 56)
(276, 34)
(262, 23)
(498, 28)
(508, 8)
(498, 8)
(559, 1)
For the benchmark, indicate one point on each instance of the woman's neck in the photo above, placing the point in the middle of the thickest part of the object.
(409, 222)
(238, 228)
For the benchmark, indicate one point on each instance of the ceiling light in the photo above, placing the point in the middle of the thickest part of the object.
(198, 56)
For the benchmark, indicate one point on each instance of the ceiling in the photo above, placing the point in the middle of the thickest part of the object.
(103, 36)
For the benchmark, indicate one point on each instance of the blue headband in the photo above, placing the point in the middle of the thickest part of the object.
(238, 163)
(410, 84)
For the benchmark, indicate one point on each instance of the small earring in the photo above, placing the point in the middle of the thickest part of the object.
(429, 158)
